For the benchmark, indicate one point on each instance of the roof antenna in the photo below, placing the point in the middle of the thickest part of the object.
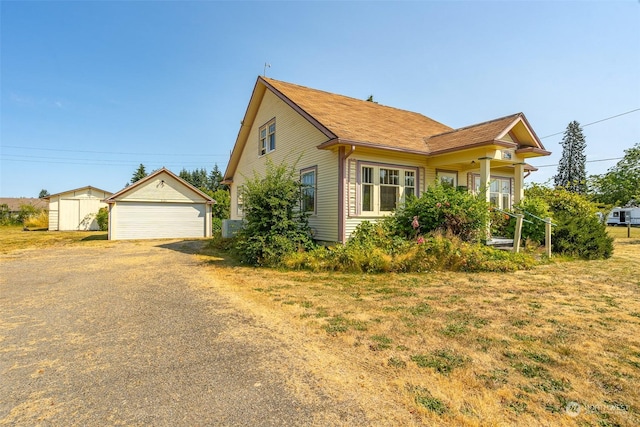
(266, 65)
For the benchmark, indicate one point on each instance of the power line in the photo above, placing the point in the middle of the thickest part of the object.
(588, 161)
(114, 152)
(597, 121)
(101, 163)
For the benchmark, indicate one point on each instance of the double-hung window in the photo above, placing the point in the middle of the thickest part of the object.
(267, 140)
(384, 187)
(308, 181)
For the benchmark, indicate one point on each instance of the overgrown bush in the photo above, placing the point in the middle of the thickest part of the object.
(102, 217)
(274, 225)
(582, 236)
(446, 209)
(372, 250)
(578, 231)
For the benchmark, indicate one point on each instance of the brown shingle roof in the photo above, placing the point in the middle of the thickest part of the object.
(14, 203)
(356, 120)
(470, 136)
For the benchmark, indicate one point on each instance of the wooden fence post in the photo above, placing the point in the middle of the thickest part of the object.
(517, 236)
(547, 236)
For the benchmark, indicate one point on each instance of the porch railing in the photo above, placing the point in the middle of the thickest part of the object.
(547, 229)
(517, 235)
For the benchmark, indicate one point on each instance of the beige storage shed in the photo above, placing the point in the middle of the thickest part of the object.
(161, 205)
(76, 209)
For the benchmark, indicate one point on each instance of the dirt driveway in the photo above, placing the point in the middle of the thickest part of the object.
(121, 334)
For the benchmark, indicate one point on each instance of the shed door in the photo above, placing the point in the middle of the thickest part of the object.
(69, 214)
(136, 220)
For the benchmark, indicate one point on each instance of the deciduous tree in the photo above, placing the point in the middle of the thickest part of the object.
(620, 185)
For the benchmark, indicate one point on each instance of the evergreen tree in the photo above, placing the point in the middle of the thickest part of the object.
(572, 173)
(186, 175)
(139, 174)
(43, 193)
(214, 183)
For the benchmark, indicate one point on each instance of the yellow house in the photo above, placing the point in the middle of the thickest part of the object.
(359, 160)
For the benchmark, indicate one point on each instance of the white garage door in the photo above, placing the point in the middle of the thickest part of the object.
(157, 220)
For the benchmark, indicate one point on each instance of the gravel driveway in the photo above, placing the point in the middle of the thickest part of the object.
(121, 334)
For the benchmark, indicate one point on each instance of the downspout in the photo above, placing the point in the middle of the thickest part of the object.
(342, 217)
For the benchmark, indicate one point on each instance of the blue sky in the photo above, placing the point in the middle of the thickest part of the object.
(89, 90)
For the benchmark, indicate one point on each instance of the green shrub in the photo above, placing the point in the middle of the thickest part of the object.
(27, 211)
(534, 230)
(446, 209)
(578, 231)
(582, 236)
(274, 225)
(103, 219)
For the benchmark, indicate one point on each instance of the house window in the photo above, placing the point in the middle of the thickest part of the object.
(267, 134)
(367, 189)
(448, 178)
(383, 188)
(308, 181)
(409, 183)
(240, 205)
(499, 191)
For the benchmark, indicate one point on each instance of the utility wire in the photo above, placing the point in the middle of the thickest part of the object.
(113, 152)
(593, 123)
(588, 161)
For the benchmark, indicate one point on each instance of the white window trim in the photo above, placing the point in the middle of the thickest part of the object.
(239, 206)
(314, 170)
(262, 151)
(376, 212)
(500, 193)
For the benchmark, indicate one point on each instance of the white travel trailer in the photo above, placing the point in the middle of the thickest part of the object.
(624, 216)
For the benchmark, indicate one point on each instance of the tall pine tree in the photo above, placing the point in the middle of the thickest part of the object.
(140, 173)
(572, 173)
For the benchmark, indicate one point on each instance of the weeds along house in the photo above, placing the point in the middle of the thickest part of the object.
(359, 160)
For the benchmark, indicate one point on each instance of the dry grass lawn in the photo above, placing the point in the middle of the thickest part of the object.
(557, 345)
(14, 238)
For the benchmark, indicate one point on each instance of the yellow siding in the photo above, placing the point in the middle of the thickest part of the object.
(391, 158)
(296, 142)
(170, 191)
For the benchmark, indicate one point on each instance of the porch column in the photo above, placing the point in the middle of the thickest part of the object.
(485, 179)
(518, 183)
(485, 176)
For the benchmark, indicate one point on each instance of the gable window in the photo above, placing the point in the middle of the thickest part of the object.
(267, 134)
(308, 181)
(499, 191)
(384, 187)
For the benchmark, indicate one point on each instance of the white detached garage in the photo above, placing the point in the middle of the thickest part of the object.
(160, 206)
(76, 209)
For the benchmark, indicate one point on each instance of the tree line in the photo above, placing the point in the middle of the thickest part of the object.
(209, 183)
